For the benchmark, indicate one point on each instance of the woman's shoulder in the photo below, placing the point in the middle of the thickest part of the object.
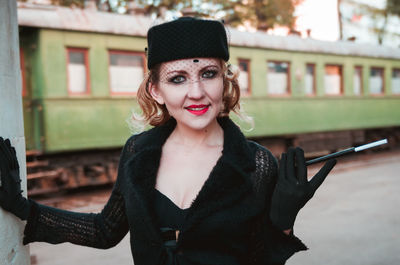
(258, 148)
(264, 158)
(129, 147)
(132, 139)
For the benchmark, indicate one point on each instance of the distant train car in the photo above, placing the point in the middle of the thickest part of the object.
(82, 68)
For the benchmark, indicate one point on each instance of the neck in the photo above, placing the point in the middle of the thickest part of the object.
(212, 135)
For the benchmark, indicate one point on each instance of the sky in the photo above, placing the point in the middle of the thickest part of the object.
(321, 17)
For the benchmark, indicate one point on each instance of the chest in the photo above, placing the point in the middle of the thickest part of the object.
(183, 172)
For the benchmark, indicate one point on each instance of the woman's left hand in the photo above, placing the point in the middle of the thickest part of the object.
(293, 190)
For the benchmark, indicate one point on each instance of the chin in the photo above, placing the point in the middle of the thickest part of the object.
(197, 123)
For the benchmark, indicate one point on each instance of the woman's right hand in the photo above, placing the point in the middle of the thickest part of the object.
(11, 198)
(293, 189)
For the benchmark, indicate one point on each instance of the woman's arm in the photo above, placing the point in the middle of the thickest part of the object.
(101, 230)
(52, 225)
(293, 190)
(272, 245)
(290, 193)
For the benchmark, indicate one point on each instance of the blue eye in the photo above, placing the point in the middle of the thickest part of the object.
(177, 79)
(209, 74)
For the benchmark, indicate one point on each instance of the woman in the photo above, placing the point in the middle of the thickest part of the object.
(191, 190)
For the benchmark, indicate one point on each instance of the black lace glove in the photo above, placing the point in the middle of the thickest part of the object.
(293, 190)
(11, 198)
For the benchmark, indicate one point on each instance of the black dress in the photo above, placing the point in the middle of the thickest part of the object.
(170, 218)
(226, 224)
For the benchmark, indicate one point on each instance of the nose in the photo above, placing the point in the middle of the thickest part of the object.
(195, 90)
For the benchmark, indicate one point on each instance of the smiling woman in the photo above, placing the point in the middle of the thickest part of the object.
(191, 190)
(191, 91)
(198, 74)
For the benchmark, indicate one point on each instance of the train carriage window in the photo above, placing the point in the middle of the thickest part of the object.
(310, 80)
(278, 78)
(396, 81)
(78, 71)
(244, 76)
(333, 79)
(376, 83)
(357, 80)
(126, 72)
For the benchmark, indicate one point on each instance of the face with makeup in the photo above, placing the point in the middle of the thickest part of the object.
(191, 90)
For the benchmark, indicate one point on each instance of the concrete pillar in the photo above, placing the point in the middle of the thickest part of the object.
(11, 126)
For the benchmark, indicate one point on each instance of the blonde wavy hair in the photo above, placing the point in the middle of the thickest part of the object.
(155, 114)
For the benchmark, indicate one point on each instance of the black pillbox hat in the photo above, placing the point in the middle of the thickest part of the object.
(186, 37)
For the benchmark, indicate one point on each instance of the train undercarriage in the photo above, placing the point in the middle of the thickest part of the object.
(48, 174)
(54, 173)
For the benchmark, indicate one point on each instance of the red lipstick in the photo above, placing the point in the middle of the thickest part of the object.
(197, 109)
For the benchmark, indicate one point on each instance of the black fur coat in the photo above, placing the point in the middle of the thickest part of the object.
(227, 222)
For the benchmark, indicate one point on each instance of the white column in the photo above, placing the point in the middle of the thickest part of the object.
(11, 126)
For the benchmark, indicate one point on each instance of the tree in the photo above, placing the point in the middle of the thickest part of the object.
(393, 7)
(260, 14)
(339, 2)
(78, 3)
(379, 17)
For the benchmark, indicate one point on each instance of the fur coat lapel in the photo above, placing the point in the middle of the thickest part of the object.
(227, 183)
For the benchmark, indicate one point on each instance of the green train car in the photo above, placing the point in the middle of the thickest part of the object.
(81, 70)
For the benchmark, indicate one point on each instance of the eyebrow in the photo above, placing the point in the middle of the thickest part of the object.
(184, 71)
